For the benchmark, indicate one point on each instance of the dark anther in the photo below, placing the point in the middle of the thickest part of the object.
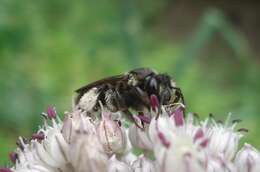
(196, 115)
(51, 112)
(118, 122)
(38, 136)
(154, 102)
(163, 140)
(243, 130)
(13, 156)
(236, 121)
(5, 170)
(204, 143)
(220, 121)
(211, 116)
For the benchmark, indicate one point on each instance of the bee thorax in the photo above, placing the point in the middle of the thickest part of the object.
(132, 80)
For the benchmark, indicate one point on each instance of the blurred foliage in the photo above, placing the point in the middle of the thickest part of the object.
(50, 48)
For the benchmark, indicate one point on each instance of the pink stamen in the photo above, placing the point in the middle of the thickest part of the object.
(5, 170)
(178, 116)
(204, 143)
(38, 136)
(163, 140)
(13, 157)
(161, 136)
(154, 102)
(51, 112)
(199, 134)
(144, 119)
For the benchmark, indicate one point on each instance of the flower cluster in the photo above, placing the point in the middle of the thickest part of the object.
(165, 142)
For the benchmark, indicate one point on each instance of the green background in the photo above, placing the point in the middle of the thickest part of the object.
(48, 48)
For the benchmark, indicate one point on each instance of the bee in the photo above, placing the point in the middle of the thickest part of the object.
(131, 90)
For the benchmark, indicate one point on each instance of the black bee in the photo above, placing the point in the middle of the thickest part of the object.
(131, 90)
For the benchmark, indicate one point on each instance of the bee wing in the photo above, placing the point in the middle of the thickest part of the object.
(109, 80)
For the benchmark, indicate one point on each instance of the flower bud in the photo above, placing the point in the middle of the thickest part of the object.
(111, 135)
(75, 122)
(143, 164)
(87, 154)
(247, 158)
(51, 112)
(139, 138)
(117, 166)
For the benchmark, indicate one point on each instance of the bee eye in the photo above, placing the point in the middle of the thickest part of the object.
(165, 96)
(153, 84)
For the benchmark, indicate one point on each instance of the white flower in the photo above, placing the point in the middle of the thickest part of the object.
(72, 147)
(52, 151)
(41, 153)
(175, 149)
(223, 139)
(168, 142)
(180, 155)
(247, 158)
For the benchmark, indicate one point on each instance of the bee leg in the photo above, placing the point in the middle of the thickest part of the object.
(179, 98)
(179, 95)
(143, 96)
(131, 118)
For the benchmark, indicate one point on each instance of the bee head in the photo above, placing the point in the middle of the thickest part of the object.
(168, 92)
